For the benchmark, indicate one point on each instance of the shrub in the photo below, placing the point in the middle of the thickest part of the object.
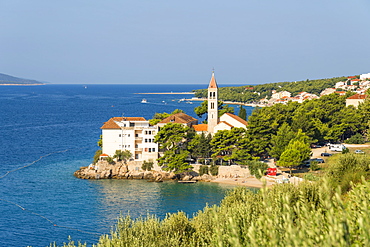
(314, 166)
(97, 155)
(214, 170)
(147, 165)
(203, 170)
(310, 177)
(356, 139)
(110, 160)
(257, 168)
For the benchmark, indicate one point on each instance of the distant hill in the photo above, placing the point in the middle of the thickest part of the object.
(7, 79)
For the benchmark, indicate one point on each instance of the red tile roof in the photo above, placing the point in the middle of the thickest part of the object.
(104, 155)
(180, 117)
(237, 118)
(110, 124)
(358, 96)
(349, 77)
(200, 127)
(212, 83)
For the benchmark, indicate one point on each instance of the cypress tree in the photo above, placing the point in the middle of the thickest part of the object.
(242, 113)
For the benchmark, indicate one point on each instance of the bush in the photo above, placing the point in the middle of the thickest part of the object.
(203, 170)
(356, 139)
(314, 166)
(110, 160)
(257, 168)
(213, 170)
(97, 155)
(310, 177)
(147, 165)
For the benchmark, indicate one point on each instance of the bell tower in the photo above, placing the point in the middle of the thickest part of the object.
(212, 104)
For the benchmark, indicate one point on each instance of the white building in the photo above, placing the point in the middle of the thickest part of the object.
(130, 133)
(365, 76)
(280, 95)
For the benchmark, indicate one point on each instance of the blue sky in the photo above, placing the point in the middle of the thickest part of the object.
(146, 41)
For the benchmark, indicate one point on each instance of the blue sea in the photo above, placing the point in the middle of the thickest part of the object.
(47, 132)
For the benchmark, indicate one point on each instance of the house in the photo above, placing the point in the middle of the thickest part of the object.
(130, 133)
(280, 95)
(229, 121)
(356, 99)
(327, 91)
(180, 118)
(365, 76)
(201, 128)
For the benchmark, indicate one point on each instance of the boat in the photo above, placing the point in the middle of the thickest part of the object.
(143, 101)
(187, 182)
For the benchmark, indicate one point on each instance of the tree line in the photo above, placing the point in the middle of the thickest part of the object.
(253, 93)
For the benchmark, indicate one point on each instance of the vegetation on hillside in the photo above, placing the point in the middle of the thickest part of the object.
(253, 93)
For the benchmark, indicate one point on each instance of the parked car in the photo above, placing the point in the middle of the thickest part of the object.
(326, 154)
(316, 146)
(358, 151)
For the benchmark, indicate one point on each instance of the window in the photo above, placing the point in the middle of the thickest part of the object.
(136, 156)
(132, 124)
(120, 135)
(146, 140)
(128, 135)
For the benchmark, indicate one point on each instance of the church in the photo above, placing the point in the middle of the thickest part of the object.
(215, 123)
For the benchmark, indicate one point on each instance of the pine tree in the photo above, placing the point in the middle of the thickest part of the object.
(242, 113)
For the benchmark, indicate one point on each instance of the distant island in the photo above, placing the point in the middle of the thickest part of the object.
(11, 80)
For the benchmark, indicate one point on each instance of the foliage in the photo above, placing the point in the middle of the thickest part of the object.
(147, 165)
(199, 146)
(348, 169)
(231, 145)
(97, 155)
(175, 161)
(110, 160)
(290, 158)
(123, 155)
(214, 170)
(356, 139)
(314, 166)
(310, 177)
(100, 142)
(281, 140)
(242, 113)
(257, 168)
(203, 170)
(171, 136)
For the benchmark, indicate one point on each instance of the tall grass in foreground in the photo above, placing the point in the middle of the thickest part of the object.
(310, 214)
(306, 215)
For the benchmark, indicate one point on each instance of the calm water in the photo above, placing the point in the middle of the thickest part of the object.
(53, 130)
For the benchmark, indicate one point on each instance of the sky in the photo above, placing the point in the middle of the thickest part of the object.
(172, 41)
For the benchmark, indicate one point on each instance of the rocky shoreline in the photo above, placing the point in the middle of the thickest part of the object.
(119, 170)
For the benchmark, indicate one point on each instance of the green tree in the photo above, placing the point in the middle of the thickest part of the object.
(290, 158)
(97, 155)
(242, 113)
(100, 142)
(199, 146)
(173, 138)
(123, 155)
(231, 145)
(147, 165)
(281, 140)
(257, 168)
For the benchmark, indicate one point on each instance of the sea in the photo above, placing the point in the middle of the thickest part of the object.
(47, 132)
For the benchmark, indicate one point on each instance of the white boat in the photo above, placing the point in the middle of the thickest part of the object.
(143, 101)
